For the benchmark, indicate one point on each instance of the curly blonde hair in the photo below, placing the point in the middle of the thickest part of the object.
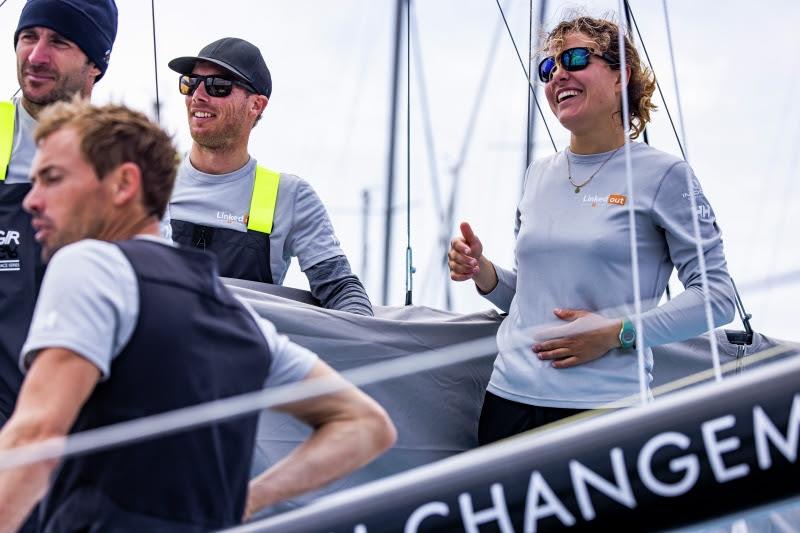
(605, 34)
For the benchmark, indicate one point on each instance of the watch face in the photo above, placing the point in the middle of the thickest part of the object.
(628, 336)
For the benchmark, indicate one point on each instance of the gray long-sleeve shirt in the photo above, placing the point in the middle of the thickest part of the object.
(336, 287)
(573, 251)
(301, 229)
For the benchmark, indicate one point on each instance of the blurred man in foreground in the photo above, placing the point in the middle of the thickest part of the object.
(129, 325)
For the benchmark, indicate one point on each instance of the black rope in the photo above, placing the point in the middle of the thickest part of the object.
(527, 77)
(155, 59)
(3, 3)
(409, 255)
(658, 85)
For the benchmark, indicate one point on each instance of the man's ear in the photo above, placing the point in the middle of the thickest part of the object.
(260, 104)
(126, 183)
(94, 71)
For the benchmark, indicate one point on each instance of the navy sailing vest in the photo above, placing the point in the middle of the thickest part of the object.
(193, 342)
(240, 255)
(21, 270)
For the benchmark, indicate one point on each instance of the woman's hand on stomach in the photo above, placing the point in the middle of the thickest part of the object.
(585, 337)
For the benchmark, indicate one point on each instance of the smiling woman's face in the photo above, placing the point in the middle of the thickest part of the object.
(585, 99)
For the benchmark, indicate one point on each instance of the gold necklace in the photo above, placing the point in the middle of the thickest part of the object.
(585, 183)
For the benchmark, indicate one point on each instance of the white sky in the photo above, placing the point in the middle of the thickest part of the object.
(739, 74)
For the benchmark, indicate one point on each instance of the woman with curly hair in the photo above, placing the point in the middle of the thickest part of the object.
(573, 253)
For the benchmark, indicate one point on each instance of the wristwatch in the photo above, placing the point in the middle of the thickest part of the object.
(627, 335)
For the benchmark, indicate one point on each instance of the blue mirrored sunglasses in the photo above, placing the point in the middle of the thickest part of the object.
(571, 59)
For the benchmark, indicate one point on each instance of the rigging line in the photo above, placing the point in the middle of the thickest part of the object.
(527, 96)
(432, 272)
(531, 126)
(155, 59)
(629, 18)
(425, 112)
(394, 88)
(216, 411)
(527, 76)
(675, 80)
(170, 422)
(3, 3)
(689, 182)
(704, 375)
(463, 151)
(409, 254)
(365, 208)
(701, 258)
(658, 85)
(637, 298)
(645, 136)
(454, 465)
(465, 143)
(694, 212)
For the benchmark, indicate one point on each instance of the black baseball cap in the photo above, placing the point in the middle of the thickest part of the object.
(239, 57)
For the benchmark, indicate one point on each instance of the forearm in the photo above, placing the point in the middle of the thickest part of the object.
(496, 284)
(55, 388)
(20, 488)
(20, 491)
(486, 278)
(336, 287)
(684, 316)
(333, 450)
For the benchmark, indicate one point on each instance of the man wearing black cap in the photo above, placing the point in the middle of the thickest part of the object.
(63, 48)
(253, 219)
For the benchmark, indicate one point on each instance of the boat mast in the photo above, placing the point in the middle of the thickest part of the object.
(387, 243)
(533, 33)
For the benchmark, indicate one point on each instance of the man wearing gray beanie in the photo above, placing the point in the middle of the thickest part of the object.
(63, 48)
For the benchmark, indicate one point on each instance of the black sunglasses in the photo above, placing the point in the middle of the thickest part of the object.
(572, 59)
(216, 86)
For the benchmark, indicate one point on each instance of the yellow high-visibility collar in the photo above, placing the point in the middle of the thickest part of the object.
(262, 203)
(7, 112)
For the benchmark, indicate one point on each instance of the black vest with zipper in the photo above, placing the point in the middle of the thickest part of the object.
(193, 343)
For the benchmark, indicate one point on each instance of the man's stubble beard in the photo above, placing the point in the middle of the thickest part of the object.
(213, 141)
(64, 87)
(226, 136)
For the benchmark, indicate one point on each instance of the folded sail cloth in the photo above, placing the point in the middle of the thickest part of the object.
(436, 411)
